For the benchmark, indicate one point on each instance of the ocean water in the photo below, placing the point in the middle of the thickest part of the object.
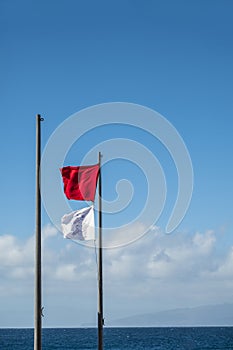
(169, 338)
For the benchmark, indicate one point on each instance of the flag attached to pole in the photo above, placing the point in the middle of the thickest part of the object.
(79, 225)
(80, 182)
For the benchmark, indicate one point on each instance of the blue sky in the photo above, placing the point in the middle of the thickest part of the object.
(172, 56)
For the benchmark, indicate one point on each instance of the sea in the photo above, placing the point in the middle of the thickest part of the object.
(165, 338)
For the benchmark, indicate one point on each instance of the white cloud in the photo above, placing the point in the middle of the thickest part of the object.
(155, 256)
(204, 242)
(15, 254)
(225, 269)
(161, 256)
(66, 272)
(176, 270)
(49, 231)
(21, 272)
(158, 271)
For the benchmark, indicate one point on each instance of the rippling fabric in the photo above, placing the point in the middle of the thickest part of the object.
(80, 182)
(79, 225)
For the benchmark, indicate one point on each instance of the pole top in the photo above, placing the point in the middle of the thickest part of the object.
(38, 116)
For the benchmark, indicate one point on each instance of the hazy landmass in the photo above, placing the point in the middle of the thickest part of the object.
(211, 315)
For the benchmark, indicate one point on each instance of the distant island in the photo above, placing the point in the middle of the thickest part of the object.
(210, 315)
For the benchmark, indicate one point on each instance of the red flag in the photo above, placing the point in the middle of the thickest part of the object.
(80, 182)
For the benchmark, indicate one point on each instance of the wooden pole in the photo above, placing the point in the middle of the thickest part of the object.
(100, 269)
(38, 310)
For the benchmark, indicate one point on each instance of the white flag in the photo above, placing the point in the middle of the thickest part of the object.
(79, 224)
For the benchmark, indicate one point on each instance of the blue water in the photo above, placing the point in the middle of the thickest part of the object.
(188, 338)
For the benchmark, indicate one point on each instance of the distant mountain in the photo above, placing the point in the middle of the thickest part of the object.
(210, 315)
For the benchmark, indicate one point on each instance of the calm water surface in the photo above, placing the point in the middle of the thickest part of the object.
(188, 338)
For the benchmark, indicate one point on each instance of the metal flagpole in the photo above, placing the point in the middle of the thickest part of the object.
(38, 310)
(100, 269)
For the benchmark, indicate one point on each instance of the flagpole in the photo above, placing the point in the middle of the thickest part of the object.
(100, 269)
(37, 305)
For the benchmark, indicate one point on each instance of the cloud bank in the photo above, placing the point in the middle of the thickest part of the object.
(154, 273)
